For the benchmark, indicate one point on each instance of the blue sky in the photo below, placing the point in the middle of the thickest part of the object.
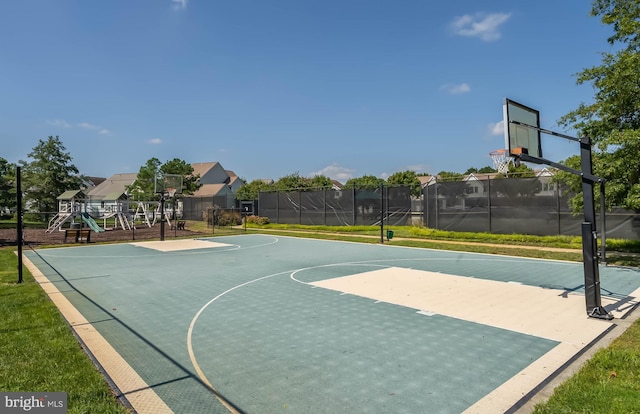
(269, 88)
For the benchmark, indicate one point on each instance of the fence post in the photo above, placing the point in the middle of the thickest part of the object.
(437, 205)
(353, 206)
(324, 204)
(559, 216)
(489, 204)
(381, 213)
(425, 206)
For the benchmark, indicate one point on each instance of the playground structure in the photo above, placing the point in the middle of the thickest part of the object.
(148, 213)
(72, 206)
(75, 206)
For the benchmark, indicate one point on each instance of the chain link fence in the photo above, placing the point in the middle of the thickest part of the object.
(536, 206)
(346, 207)
(195, 208)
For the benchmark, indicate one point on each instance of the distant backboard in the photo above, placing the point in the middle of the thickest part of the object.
(518, 138)
(168, 184)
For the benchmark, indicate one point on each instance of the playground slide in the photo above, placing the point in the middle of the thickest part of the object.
(91, 223)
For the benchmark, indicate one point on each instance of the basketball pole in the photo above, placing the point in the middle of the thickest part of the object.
(162, 216)
(589, 235)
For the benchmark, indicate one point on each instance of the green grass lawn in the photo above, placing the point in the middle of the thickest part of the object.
(38, 351)
(608, 383)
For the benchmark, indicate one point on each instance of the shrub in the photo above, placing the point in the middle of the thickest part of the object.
(257, 220)
(228, 218)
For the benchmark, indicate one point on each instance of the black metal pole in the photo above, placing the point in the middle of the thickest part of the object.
(603, 235)
(589, 237)
(381, 213)
(489, 204)
(162, 217)
(19, 225)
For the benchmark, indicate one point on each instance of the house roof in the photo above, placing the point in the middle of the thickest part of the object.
(426, 179)
(113, 187)
(95, 180)
(208, 190)
(68, 195)
(233, 179)
(201, 168)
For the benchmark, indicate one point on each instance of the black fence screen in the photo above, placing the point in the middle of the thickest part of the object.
(195, 208)
(347, 207)
(535, 206)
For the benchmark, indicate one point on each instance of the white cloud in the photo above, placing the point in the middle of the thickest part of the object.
(335, 172)
(59, 123)
(155, 141)
(91, 127)
(87, 125)
(456, 89)
(84, 125)
(497, 128)
(482, 25)
(179, 4)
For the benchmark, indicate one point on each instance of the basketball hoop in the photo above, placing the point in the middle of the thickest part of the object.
(171, 192)
(500, 160)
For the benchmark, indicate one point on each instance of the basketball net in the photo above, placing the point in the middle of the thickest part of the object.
(500, 160)
(171, 192)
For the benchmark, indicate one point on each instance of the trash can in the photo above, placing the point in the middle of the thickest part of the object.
(389, 234)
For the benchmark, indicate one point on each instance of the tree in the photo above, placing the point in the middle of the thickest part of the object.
(450, 176)
(292, 182)
(612, 121)
(321, 182)
(143, 188)
(251, 190)
(405, 179)
(484, 170)
(50, 173)
(366, 181)
(7, 186)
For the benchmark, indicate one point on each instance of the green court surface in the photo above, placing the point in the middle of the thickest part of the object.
(249, 317)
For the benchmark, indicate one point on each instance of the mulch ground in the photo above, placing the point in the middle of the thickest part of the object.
(39, 237)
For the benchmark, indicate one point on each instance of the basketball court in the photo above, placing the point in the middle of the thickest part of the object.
(265, 324)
